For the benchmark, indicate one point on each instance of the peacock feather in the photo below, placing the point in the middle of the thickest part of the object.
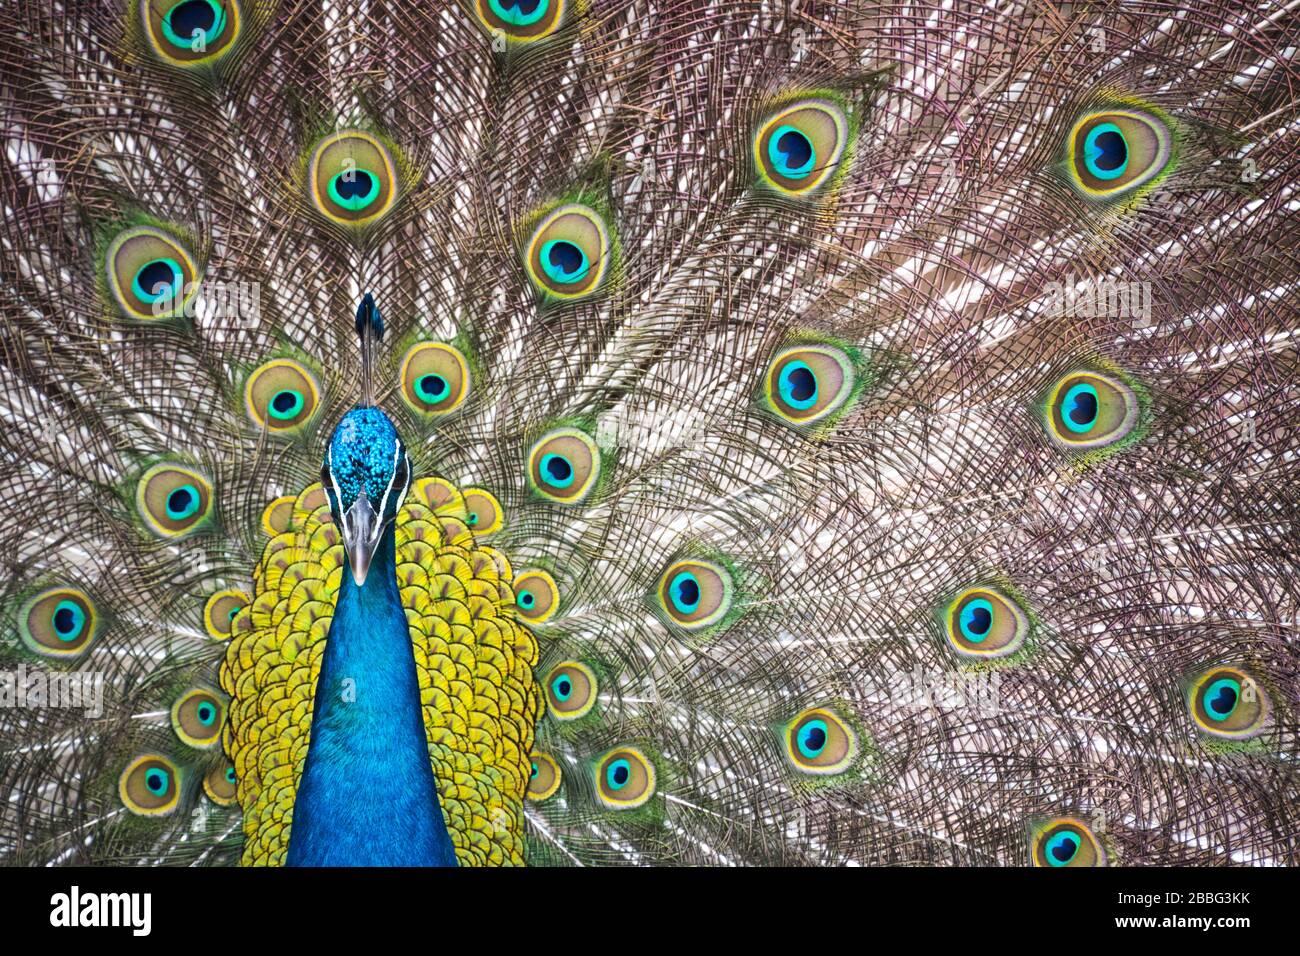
(770, 433)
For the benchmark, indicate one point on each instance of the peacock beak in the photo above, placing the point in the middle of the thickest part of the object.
(361, 532)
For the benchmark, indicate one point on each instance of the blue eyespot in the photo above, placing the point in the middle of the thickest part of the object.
(977, 620)
(69, 620)
(206, 714)
(791, 152)
(1079, 408)
(183, 502)
(519, 13)
(235, 610)
(557, 471)
(354, 189)
(230, 775)
(798, 384)
(1221, 698)
(812, 738)
(533, 775)
(432, 388)
(562, 687)
(194, 19)
(157, 781)
(685, 592)
(1062, 847)
(159, 279)
(564, 261)
(1105, 152)
(526, 599)
(617, 774)
(286, 403)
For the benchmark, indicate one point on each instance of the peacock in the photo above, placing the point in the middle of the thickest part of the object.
(579, 432)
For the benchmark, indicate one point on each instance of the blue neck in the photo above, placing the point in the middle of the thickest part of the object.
(367, 795)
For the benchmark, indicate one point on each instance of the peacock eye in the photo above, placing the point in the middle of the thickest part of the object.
(568, 252)
(1227, 702)
(435, 378)
(818, 742)
(1087, 410)
(150, 274)
(59, 622)
(197, 717)
(352, 178)
(483, 511)
(544, 776)
(1116, 151)
(799, 148)
(173, 500)
(221, 784)
(536, 595)
(807, 383)
(1066, 842)
(563, 465)
(281, 396)
(570, 690)
(522, 21)
(695, 594)
(220, 611)
(150, 785)
(983, 623)
(191, 32)
(625, 778)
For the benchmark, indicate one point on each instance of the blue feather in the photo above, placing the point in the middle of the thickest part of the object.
(367, 795)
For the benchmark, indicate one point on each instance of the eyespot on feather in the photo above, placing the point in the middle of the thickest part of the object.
(435, 378)
(281, 396)
(985, 623)
(563, 465)
(570, 690)
(1229, 703)
(197, 717)
(695, 594)
(278, 515)
(521, 21)
(59, 622)
(150, 786)
(807, 383)
(1089, 410)
(220, 611)
(352, 178)
(191, 33)
(625, 778)
(544, 779)
(483, 513)
(221, 784)
(800, 146)
(174, 500)
(1066, 842)
(820, 743)
(150, 274)
(537, 597)
(1113, 152)
(567, 255)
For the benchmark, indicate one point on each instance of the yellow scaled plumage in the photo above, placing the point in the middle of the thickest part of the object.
(473, 660)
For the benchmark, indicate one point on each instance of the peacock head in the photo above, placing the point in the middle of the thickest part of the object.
(366, 472)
